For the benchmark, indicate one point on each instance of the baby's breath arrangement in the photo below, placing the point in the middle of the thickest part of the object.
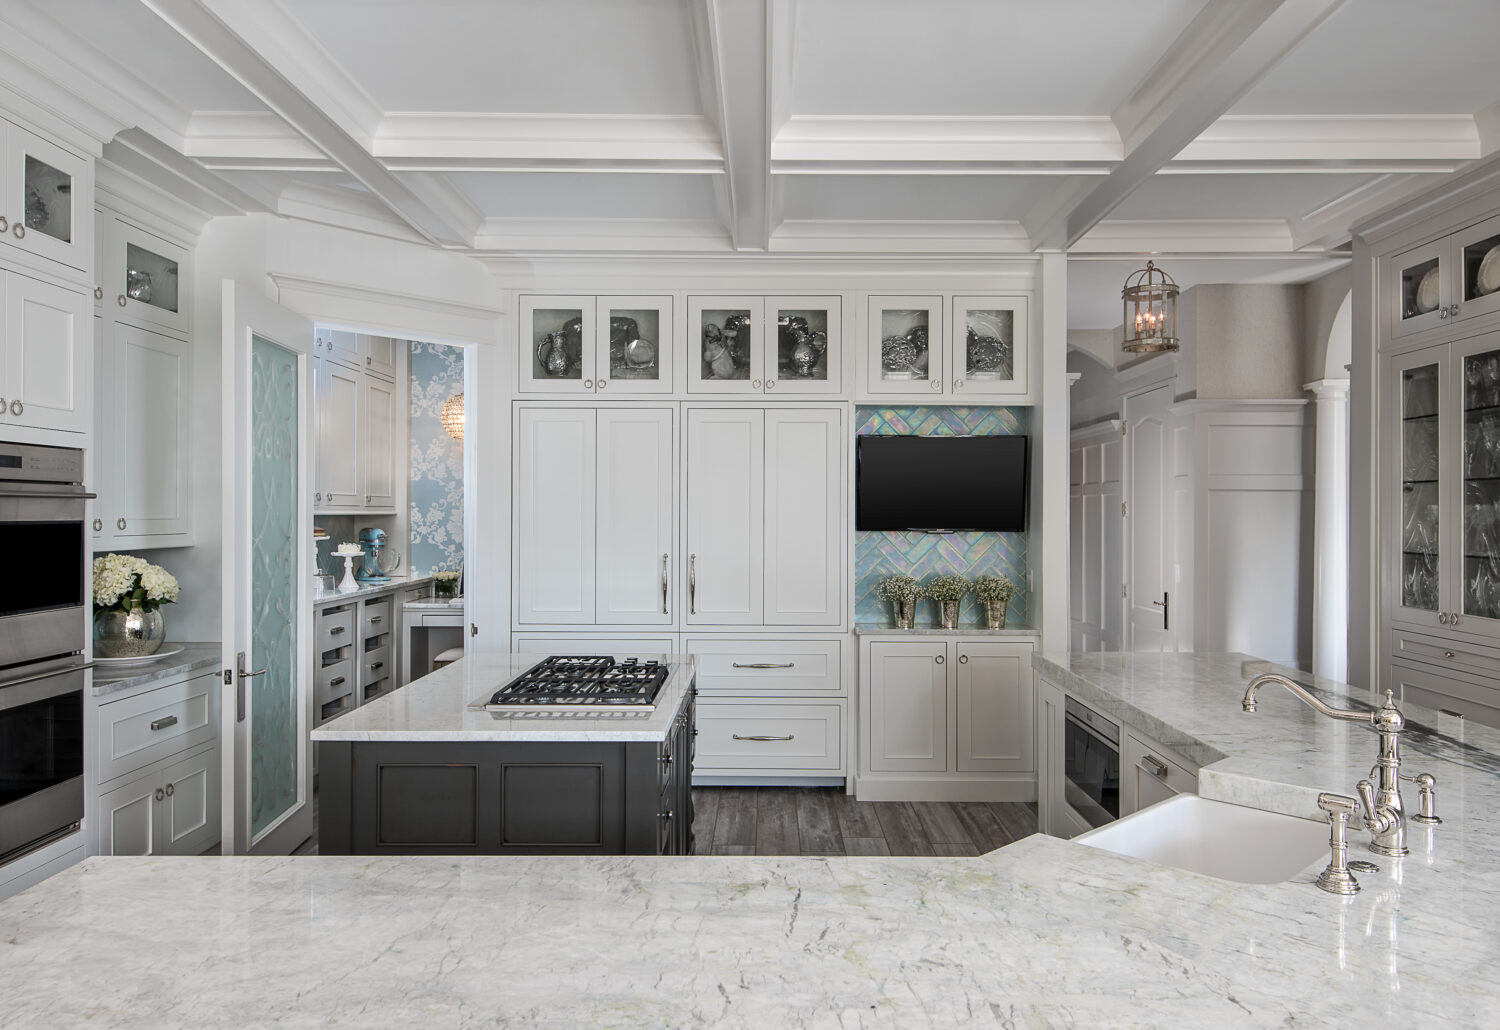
(994, 589)
(896, 589)
(125, 582)
(947, 587)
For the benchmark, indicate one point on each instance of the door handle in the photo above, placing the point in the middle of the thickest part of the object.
(240, 676)
(692, 584)
(664, 584)
(1165, 604)
(789, 736)
(763, 665)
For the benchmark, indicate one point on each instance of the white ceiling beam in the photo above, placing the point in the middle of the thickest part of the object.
(1221, 54)
(1187, 236)
(145, 156)
(1328, 224)
(198, 23)
(733, 39)
(433, 141)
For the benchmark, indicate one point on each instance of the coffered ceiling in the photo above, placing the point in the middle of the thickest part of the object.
(1223, 134)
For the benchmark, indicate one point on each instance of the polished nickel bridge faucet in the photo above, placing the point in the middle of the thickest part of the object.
(1380, 805)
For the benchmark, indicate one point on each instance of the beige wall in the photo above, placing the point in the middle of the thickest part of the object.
(1246, 341)
(1322, 299)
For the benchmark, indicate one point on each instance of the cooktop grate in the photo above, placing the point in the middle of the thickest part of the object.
(583, 681)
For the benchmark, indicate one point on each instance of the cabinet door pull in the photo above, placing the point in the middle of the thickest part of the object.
(963, 659)
(755, 385)
(938, 658)
(664, 584)
(98, 293)
(376, 665)
(1449, 654)
(120, 300)
(764, 665)
(377, 618)
(588, 384)
(958, 384)
(937, 384)
(171, 789)
(164, 722)
(120, 522)
(1155, 766)
(16, 407)
(336, 681)
(692, 584)
(160, 794)
(4, 224)
(1449, 711)
(758, 736)
(770, 384)
(98, 525)
(603, 383)
(2, 405)
(18, 230)
(318, 497)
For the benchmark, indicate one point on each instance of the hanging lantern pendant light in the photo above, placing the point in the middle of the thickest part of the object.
(1150, 311)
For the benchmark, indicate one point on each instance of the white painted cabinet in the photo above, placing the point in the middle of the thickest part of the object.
(377, 444)
(594, 505)
(173, 811)
(765, 345)
(765, 516)
(1149, 773)
(143, 441)
(988, 347)
(952, 347)
(338, 391)
(377, 354)
(947, 718)
(341, 345)
(147, 280)
(46, 199)
(1050, 701)
(46, 357)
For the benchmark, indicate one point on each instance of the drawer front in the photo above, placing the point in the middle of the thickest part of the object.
(1161, 765)
(1446, 655)
(771, 737)
(375, 618)
(633, 646)
(1448, 695)
(334, 681)
(776, 668)
(142, 729)
(335, 629)
(375, 665)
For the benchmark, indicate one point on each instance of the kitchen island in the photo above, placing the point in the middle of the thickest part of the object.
(1042, 933)
(422, 772)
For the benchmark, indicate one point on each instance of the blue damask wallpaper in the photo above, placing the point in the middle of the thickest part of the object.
(437, 461)
(877, 555)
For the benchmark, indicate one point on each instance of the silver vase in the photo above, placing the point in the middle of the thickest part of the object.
(994, 614)
(133, 634)
(948, 612)
(905, 612)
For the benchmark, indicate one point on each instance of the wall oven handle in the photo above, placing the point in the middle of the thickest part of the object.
(6, 684)
(1073, 720)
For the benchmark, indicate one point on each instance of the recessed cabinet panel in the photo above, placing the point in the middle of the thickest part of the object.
(904, 352)
(48, 199)
(47, 356)
(803, 535)
(990, 346)
(127, 818)
(378, 354)
(1421, 583)
(338, 391)
(146, 447)
(556, 345)
(908, 722)
(726, 352)
(555, 515)
(805, 352)
(635, 524)
(340, 345)
(635, 345)
(378, 446)
(1479, 391)
(726, 520)
(190, 809)
(995, 697)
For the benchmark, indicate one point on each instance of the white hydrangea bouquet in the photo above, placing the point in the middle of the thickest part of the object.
(128, 595)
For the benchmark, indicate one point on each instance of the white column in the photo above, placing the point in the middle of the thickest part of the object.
(1331, 529)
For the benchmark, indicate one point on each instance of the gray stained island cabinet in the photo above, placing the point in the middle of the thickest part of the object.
(419, 773)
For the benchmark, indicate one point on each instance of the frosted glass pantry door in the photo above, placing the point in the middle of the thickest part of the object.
(267, 571)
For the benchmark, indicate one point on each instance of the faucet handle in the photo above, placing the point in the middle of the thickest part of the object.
(1336, 878)
(1426, 798)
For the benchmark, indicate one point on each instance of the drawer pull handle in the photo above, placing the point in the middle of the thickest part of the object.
(377, 618)
(1155, 766)
(336, 681)
(764, 665)
(335, 631)
(164, 722)
(1449, 654)
(376, 665)
(1449, 711)
(789, 736)
(668, 814)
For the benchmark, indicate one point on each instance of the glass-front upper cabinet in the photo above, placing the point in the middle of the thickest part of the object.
(1476, 259)
(1420, 288)
(556, 345)
(989, 346)
(146, 278)
(1419, 385)
(726, 349)
(904, 347)
(634, 345)
(1479, 363)
(48, 199)
(808, 354)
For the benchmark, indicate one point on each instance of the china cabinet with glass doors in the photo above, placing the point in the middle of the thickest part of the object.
(1447, 281)
(46, 198)
(765, 345)
(609, 346)
(955, 348)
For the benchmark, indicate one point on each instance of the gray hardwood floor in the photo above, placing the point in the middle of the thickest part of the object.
(826, 821)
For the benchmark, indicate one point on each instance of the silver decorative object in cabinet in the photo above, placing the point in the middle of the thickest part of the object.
(1481, 512)
(904, 344)
(726, 345)
(631, 355)
(1420, 429)
(802, 345)
(990, 348)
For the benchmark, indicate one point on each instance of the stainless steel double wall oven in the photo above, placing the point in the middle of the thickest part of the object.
(44, 637)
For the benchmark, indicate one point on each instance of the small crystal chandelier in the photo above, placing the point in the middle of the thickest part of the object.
(453, 416)
(1150, 311)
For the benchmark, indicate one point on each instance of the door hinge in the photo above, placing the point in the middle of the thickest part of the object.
(473, 629)
(1124, 592)
(1124, 429)
(1124, 509)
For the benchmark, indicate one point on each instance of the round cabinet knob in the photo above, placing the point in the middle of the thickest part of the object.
(171, 789)
(603, 383)
(160, 793)
(16, 407)
(120, 522)
(317, 497)
(2, 405)
(98, 525)
(770, 384)
(4, 224)
(755, 384)
(963, 659)
(1442, 313)
(369, 361)
(120, 300)
(937, 384)
(958, 384)
(18, 230)
(938, 658)
(98, 293)
(1449, 654)
(588, 384)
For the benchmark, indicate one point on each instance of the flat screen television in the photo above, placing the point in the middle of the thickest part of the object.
(931, 483)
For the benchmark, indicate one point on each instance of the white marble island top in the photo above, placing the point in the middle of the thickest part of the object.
(1042, 933)
(436, 707)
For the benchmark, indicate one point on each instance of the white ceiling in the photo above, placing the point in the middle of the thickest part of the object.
(1238, 140)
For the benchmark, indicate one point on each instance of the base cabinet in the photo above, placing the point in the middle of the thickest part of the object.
(1049, 758)
(946, 719)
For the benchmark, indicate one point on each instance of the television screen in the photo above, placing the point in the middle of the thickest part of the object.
(959, 483)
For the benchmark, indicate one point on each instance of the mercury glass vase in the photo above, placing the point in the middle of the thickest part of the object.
(948, 611)
(905, 612)
(994, 614)
(133, 634)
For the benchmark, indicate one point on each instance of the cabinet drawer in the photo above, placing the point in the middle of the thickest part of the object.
(771, 667)
(375, 618)
(334, 681)
(1446, 655)
(1153, 763)
(1448, 695)
(335, 629)
(782, 737)
(374, 665)
(142, 729)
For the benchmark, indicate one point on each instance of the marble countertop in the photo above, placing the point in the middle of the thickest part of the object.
(1039, 934)
(325, 598)
(885, 629)
(117, 679)
(435, 707)
(440, 604)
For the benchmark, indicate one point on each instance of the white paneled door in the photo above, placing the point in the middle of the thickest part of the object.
(378, 448)
(725, 516)
(803, 539)
(266, 574)
(1148, 535)
(634, 512)
(339, 443)
(46, 358)
(555, 515)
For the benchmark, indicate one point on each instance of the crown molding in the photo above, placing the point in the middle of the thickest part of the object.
(434, 140)
(969, 142)
(343, 209)
(875, 236)
(221, 138)
(1187, 236)
(1436, 140)
(163, 210)
(620, 235)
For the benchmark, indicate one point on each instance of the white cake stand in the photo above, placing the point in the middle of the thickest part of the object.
(349, 584)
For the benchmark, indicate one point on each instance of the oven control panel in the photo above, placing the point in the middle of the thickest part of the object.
(34, 463)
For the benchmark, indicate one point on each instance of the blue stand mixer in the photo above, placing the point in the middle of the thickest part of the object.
(372, 568)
